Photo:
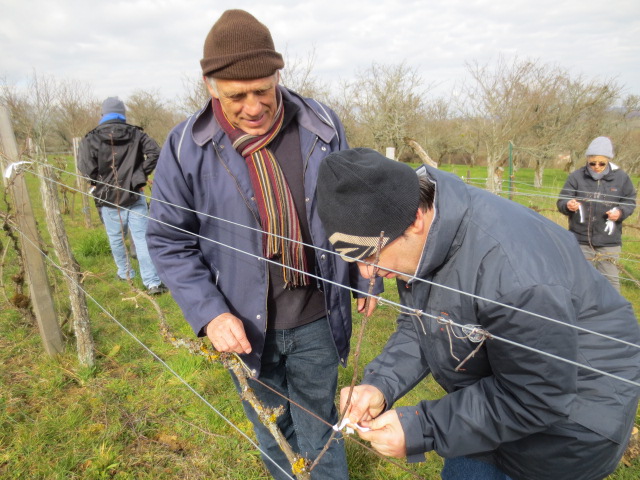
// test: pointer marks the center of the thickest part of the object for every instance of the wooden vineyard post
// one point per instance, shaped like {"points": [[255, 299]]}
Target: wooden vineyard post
{"points": [[39, 287], [81, 185], [69, 266]]}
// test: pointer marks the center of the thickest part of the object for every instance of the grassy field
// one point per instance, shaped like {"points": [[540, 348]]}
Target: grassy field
{"points": [[129, 417]]}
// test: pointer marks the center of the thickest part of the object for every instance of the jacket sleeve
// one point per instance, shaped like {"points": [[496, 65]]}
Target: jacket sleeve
{"points": [[628, 198], [151, 152], [174, 245], [568, 192], [526, 391], [401, 365], [87, 162]]}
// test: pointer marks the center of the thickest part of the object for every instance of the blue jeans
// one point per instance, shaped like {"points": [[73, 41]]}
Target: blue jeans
{"points": [[605, 259], [465, 468], [134, 219], [302, 364]]}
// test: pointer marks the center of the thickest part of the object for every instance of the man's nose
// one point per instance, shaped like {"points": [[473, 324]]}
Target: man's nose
{"points": [[252, 105]]}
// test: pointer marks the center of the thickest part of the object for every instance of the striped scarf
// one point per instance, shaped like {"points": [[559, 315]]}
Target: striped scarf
{"points": [[275, 203]]}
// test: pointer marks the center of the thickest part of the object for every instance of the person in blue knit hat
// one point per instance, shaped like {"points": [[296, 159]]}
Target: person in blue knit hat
{"points": [[597, 198], [117, 158]]}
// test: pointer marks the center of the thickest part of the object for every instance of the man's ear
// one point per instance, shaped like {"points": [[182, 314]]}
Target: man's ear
{"points": [[422, 221], [212, 91]]}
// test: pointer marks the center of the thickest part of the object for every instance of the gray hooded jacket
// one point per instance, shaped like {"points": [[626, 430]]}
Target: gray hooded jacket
{"points": [[613, 190], [534, 416]]}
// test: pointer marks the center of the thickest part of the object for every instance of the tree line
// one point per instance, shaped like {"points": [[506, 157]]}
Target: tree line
{"points": [[547, 114]]}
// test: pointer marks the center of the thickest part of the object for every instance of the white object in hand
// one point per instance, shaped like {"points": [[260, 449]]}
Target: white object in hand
{"points": [[610, 227], [581, 213], [349, 430]]}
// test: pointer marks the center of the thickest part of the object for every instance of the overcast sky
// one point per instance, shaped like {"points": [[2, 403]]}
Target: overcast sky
{"points": [[120, 46]]}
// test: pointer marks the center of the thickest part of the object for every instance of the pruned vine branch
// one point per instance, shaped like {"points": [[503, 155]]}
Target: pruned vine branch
{"points": [[356, 354], [267, 416]]}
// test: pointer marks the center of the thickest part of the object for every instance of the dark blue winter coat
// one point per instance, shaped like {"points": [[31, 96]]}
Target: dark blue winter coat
{"points": [[202, 187], [533, 415]]}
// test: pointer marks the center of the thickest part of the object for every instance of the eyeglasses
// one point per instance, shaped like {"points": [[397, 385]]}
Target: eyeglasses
{"points": [[600, 164]]}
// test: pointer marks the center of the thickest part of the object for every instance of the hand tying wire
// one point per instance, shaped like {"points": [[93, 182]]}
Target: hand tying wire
{"points": [[385, 431]]}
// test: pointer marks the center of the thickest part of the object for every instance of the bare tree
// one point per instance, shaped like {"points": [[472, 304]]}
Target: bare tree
{"points": [[144, 108], [42, 96], [298, 76], [50, 112], [386, 102], [78, 110], [149, 111], [625, 133], [32, 110], [468, 138], [498, 102], [568, 112], [342, 103], [195, 95], [19, 110], [439, 129], [591, 102]]}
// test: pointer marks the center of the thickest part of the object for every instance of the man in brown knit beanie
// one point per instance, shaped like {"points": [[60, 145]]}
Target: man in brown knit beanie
{"points": [[248, 261]]}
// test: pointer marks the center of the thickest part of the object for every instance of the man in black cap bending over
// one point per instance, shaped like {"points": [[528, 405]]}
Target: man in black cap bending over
{"points": [[494, 296], [239, 257]]}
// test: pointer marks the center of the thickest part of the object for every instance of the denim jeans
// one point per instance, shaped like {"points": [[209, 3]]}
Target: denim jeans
{"points": [[134, 219], [605, 259], [465, 468], [302, 364]]}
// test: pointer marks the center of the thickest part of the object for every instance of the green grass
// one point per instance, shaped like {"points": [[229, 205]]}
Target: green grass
{"points": [[92, 244], [129, 417]]}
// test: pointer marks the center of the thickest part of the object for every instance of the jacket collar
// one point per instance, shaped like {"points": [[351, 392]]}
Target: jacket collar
{"points": [[316, 120], [450, 219], [607, 176]]}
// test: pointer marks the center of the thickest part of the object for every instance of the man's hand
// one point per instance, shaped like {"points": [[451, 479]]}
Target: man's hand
{"points": [[226, 333], [373, 303], [366, 403], [386, 435], [613, 214], [573, 205]]}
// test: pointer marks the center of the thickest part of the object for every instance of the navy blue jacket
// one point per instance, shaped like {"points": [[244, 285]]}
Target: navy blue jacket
{"points": [[534, 416], [202, 187]]}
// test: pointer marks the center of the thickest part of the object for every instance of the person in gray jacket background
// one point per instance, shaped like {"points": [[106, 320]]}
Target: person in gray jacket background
{"points": [[501, 308], [597, 198], [117, 159], [233, 237]]}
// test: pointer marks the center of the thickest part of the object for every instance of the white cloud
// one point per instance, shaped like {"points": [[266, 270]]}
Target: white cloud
{"points": [[121, 46]]}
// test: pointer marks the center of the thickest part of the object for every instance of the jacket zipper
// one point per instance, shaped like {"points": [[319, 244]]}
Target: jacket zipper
{"points": [[313, 241], [246, 201]]}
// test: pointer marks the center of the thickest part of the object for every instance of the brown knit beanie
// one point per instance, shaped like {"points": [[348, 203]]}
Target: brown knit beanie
{"points": [[239, 47]]}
